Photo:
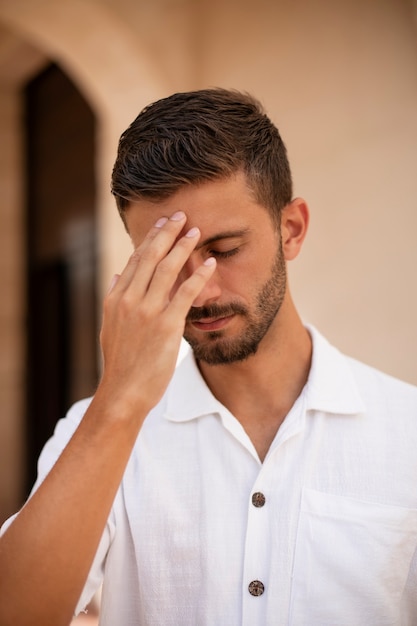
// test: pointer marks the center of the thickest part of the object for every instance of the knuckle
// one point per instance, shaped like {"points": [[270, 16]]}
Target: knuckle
{"points": [[141, 255], [125, 303], [144, 315], [164, 266], [136, 256], [129, 309], [108, 303], [154, 253]]}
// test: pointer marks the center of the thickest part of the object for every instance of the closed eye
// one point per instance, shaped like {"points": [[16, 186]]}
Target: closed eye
{"points": [[223, 254]]}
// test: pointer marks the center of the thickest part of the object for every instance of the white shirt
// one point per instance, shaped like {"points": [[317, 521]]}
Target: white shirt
{"points": [[334, 543]]}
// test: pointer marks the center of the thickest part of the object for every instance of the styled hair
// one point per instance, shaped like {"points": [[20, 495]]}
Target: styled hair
{"points": [[198, 136]]}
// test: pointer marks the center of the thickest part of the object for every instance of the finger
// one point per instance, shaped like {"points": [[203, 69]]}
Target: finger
{"points": [[156, 245], [188, 291], [167, 272], [113, 283]]}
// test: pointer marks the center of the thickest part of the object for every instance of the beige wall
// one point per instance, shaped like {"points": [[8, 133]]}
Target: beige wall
{"points": [[340, 80]]}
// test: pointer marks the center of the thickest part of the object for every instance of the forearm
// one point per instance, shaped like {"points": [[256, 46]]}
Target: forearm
{"points": [[46, 554]]}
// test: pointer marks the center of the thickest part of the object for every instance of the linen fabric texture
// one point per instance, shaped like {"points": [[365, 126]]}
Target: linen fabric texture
{"points": [[335, 542]]}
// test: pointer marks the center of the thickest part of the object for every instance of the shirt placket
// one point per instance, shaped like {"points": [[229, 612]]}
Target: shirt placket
{"points": [[255, 570], [263, 505]]}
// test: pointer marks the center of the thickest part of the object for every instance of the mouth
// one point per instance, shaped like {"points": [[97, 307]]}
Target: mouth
{"points": [[212, 323]]}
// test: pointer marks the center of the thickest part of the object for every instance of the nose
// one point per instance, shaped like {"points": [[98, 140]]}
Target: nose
{"points": [[211, 290]]}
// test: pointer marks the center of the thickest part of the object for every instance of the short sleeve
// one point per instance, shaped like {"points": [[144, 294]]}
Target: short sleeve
{"points": [[52, 450]]}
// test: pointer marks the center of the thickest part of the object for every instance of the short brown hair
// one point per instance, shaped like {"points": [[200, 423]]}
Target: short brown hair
{"points": [[198, 136]]}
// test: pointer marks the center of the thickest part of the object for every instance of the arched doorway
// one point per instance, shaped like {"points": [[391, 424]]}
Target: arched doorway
{"points": [[60, 130]]}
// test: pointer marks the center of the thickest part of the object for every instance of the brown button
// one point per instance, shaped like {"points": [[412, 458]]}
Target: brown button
{"points": [[258, 499], [256, 588]]}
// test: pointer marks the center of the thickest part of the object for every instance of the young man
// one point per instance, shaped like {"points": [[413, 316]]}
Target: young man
{"points": [[267, 479]]}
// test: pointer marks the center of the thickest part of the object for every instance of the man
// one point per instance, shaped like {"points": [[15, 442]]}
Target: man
{"points": [[267, 479]]}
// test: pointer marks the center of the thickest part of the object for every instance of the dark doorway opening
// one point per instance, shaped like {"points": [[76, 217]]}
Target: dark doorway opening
{"points": [[61, 269]]}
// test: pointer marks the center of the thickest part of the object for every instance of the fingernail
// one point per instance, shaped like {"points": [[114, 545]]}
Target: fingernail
{"points": [[193, 232], [178, 216], [210, 261], [113, 282], [161, 222]]}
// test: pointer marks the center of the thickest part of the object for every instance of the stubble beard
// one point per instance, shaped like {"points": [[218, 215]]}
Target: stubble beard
{"points": [[216, 349]]}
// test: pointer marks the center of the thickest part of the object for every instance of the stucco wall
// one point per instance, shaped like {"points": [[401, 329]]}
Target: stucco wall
{"points": [[339, 79]]}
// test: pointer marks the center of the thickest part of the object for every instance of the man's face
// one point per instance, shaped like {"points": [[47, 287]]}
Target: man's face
{"points": [[236, 309]]}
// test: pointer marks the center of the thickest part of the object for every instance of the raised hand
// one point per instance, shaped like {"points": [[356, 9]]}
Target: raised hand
{"points": [[144, 316]]}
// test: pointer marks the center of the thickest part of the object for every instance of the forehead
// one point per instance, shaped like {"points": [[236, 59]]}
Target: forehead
{"points": [[214, 205]]}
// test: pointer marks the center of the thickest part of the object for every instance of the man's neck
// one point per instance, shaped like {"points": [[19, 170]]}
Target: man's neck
{"points": [[261, 390]]}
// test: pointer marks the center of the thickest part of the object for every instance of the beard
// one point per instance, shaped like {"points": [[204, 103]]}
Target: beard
{"points": [[215, 348]]}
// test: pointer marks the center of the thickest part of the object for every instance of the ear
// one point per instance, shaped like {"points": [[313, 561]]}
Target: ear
{"points": [[294, 223]]}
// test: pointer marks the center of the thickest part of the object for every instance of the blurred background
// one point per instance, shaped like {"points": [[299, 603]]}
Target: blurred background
{"points": [[338, 77]]}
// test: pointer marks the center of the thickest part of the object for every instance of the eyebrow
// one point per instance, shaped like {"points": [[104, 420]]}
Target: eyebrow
{"points": [[228, 234]]}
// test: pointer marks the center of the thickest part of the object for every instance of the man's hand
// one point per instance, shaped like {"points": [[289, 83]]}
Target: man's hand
{"points": [[144, 318]]}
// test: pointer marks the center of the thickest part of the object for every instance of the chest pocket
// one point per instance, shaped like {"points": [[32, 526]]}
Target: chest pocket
{"points": [[352, 560]]}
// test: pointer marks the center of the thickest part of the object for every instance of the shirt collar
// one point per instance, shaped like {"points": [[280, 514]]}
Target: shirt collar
{"points": [[188, 395], [330, 387]]}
